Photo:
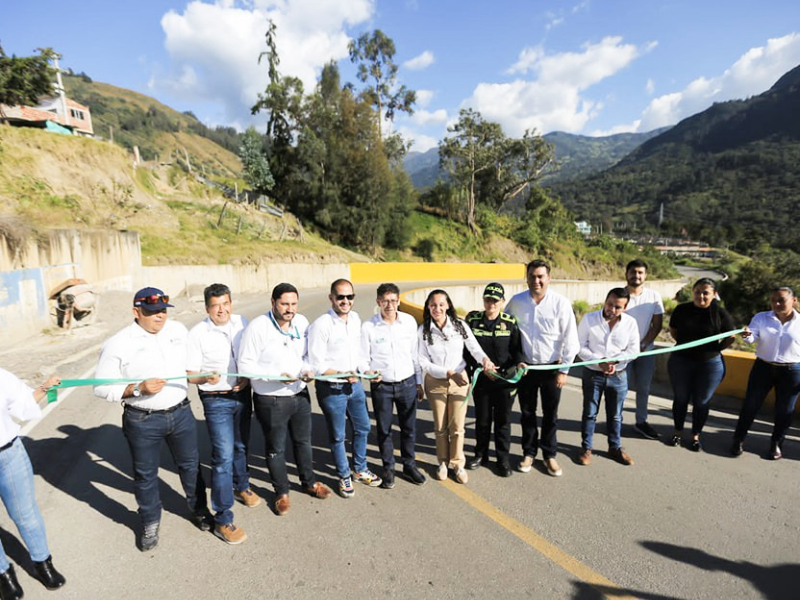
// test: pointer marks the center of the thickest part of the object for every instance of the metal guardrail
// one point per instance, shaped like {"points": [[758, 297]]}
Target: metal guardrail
{"points": [[261, 201]]}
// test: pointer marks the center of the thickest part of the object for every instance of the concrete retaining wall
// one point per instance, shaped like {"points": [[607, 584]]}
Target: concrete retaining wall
{"points": [[192, 279], [31, 269]]}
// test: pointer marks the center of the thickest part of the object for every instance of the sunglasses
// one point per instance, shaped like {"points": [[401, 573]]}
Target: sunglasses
{"points": [[341, 297], [153, 299]]}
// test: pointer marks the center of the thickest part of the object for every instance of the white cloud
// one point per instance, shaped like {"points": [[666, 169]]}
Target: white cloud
{"points": [[650, 87], [422, 61], [424, 97], [421, 142], [627, 128], [753, 73], [214, 47], [553, 98], [424, 117]]}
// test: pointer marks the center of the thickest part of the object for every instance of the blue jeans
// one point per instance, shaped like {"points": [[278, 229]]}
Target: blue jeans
{"points": [[339, 401], [277, 416], [614, 387], [693, 380], [763, 377], [145, 433], [16, 489], [385, 396], [228, 421], [640, 376]]}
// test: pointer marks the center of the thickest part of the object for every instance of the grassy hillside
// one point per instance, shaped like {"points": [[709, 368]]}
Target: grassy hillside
{"points": [[158, 130], [54, 181]]}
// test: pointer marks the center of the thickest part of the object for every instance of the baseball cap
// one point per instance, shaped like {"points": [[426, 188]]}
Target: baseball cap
{"points": [[151, 298], [494, 291]]}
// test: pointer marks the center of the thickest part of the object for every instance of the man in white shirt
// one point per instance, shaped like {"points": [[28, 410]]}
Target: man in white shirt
{"points": [[151, 353], [18, 402], [608, 333], [549, 336], [213, 347], [389, 344], [777, 333], [334, 348], [647, 308], [274, 346]]}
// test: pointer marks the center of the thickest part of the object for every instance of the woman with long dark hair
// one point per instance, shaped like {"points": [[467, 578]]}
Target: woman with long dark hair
{"points": [[696, 372], [442, 338]]}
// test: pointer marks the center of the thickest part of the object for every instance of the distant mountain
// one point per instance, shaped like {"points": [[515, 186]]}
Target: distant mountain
{"points": [[577, 156], [730, 174]]}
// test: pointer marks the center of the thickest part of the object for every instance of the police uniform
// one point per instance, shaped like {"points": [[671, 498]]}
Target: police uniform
{"points": [[500, 340]]}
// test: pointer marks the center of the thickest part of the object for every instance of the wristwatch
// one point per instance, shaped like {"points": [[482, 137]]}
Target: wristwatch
{"points": [[136, 391]]}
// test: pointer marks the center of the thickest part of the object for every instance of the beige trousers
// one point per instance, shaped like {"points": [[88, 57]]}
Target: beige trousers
{"points": [[449, 415]]}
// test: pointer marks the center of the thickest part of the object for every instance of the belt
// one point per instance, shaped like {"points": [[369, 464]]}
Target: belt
{"points": [[207, 393], [182, 403], [777, 364], [384, 382], [8, 445]]}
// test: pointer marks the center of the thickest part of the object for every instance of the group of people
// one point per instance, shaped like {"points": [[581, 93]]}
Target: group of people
{"points": [[522, 349]]}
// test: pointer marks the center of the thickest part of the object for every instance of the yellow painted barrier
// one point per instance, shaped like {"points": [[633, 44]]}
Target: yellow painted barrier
{"points": [[435, 272]]}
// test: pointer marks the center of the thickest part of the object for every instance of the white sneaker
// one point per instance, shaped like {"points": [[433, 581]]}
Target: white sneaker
{"points": [[553, 467], [441, 472]]}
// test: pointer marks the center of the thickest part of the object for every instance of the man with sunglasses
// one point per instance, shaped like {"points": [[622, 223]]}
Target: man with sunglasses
{"points": [[151, 354], [213, 349], [274, 346], [334, 348], [389, 344]]}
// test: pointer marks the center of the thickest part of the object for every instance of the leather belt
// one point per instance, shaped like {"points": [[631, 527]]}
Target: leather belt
{"points": [[182, 403], [9, 444]]}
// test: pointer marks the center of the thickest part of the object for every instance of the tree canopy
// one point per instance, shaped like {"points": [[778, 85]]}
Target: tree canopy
{"points": [[26, 79]]}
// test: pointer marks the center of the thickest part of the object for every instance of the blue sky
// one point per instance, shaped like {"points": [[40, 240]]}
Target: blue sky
{"points": [[590, 67]]}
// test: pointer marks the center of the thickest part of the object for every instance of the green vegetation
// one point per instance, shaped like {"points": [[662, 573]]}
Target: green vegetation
{"points": [[729, 175], [25, 79]]}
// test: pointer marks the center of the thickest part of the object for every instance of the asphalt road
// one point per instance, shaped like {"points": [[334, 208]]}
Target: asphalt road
{"points": [[674, 525]]}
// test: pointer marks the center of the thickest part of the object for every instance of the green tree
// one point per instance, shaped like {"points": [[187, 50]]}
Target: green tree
{"points": [[25, 79], [256, 167], [374, 54]]}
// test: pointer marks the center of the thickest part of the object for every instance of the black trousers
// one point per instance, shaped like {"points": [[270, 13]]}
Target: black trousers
{"points": [[385, 397], [493, 404], [533, 384]]}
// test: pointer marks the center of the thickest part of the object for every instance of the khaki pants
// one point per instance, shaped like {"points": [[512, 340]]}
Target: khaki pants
{"points": [[449, 414]]}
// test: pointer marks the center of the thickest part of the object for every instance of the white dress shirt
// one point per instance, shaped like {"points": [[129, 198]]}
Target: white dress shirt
{"points": [[446, 353], [267, 350], [16, 402], [642, 308], [549, 332], [391, 348], [135, 354], [336, 344], [215, 348], [777, 342], [597, 340]]}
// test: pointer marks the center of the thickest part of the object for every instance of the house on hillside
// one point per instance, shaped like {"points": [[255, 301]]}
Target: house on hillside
{"points": [[58, 113], [55, 113]]}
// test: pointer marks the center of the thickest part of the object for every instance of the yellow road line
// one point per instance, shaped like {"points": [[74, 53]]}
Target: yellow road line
{"points": [[566, 561]]}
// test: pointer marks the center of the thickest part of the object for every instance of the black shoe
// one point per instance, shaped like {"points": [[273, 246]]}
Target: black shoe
{"points": [[47, 574], [737, 448], [504, 469], [414, 474], [479, 460], [387, 482], [9, 586], [646, 430], [696, 445], [202, 520], [148, 540]]}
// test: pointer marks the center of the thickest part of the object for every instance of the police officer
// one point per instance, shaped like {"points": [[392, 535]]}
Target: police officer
{"points": [[499, 337]]}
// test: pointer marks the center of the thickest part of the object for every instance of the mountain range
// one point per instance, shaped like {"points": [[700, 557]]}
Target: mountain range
{"points": [[729, 174], [576, 156]]}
